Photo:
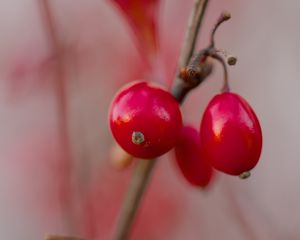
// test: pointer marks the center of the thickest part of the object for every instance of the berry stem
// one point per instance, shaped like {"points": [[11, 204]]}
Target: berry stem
{"points": [[225, 87], [143, 169], [199, 68], [196, 70]]}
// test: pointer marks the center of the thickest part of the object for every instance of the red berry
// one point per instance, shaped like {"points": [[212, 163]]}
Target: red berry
{"points": [[145, 120], [231, 134], [190, 158]]}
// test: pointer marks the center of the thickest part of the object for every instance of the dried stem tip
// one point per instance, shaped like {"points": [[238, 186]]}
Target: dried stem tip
{"points": [[231, 60], [226, 15], [137, 138], [245, 175]]}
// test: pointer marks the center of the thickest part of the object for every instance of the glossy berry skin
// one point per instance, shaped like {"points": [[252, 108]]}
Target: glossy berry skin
{"points": [[149, 111], [231, 134], [190, 158]]}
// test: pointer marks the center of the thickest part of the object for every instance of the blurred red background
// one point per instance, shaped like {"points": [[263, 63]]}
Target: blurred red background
{"points": [[55, 173]]}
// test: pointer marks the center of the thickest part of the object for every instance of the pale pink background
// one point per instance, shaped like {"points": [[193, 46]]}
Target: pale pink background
{"points": [[101, 57]]}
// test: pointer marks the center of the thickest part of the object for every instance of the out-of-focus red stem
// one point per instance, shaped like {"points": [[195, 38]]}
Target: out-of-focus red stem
{"points": [[62, 102]]}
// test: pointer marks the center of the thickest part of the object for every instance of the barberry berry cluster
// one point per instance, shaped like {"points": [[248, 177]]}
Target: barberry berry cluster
{"points": [[146, 121]]}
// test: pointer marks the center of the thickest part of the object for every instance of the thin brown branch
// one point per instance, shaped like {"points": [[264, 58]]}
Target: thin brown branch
{"points": [[58, 237], [181, 88], [142, 172], [191, 35], [133, 198]]}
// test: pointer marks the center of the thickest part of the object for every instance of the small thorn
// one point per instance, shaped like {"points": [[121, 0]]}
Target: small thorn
{"points": [[137, 138], [245, 175]]}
